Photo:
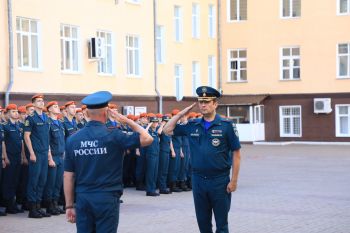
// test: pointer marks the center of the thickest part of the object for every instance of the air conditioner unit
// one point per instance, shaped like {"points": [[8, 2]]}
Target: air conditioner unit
{"points": [[322, 105], [96, 48], [128, 110]]}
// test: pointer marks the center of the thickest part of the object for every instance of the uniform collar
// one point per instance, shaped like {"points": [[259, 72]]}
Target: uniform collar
{"points": [[216, 121], [94, 123]]}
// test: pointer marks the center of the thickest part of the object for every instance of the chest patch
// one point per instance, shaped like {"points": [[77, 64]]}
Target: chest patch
{"points": [[215, 142]]}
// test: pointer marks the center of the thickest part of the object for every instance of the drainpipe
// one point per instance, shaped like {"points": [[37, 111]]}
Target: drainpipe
{"points": [[9, 20], [160, 97], [219, 47]]}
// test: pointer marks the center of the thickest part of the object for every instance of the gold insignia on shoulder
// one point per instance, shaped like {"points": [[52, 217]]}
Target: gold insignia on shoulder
{"points": [[26, 123]]}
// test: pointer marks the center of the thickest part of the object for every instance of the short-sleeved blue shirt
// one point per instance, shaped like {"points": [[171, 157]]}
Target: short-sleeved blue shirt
{"points": [[70, 127], [210, 148], [39, 127], [13, 137], [57, 140], [164, 143], [153, 149], [95, 155]]}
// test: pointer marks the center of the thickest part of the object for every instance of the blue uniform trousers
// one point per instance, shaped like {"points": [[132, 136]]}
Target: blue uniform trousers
{"points": [[37, 177], [54, 179], [10, 177], [97, 212], [184, 164], [163, 169], [140, 167], [174, 165], [152, 161], [21, 194], [210, 196]]}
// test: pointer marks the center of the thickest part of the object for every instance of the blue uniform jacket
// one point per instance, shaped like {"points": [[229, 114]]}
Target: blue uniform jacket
{"points": [[13, 137], [153, 149], [164, 143], [39, 128], [70, 127], [210, 148], [57, 142], [95, 155]]}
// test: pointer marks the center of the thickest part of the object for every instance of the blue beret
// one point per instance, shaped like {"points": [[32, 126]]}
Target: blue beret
{"points": [[207, 93], [97, 100]]}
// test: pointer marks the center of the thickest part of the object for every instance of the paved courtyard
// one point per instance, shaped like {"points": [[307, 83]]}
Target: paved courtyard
{"points": [[282, 189]]}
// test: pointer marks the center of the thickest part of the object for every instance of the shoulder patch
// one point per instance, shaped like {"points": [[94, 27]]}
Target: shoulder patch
{"points": [[235, 129], [26, 123], [5, 123]]}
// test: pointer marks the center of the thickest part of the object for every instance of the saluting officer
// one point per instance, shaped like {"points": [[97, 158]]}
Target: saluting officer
{"points": [[36, 137], [14, 153], [55, 172], [211, 140], [93, 167], [69, 122]]}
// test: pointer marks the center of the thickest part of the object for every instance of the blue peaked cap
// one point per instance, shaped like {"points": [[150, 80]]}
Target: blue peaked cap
{"points": [[97, 100]]}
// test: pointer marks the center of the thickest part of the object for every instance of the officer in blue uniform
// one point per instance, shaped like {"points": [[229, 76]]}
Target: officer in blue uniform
{"points": [[152, 157], [14, 152], [2, 163], [93, 167], [55, 172], [69, 122], [211, 139], [36, 137], [165, 148]]}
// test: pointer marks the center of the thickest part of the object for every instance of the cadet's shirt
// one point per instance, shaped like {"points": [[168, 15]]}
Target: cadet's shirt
{"points": [[177, 141], [164, 143], [210, 148], [13, 137], [70, 127], [95, 155], [57, 142], [39, 127], [153, 149]]}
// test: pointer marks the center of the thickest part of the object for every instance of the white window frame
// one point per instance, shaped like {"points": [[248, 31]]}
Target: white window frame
{"points": [[133, 73], [290, 16], [71, 70], [196, 74], [338, 62], [211, 21], [337, 121], [212, 71], [281, 125], [107, 45], [178, 24], [291, 61], [347, 11], [20, 33], [196, 33], [228, 3], [238, 60], [160, 43], [178, 78]]}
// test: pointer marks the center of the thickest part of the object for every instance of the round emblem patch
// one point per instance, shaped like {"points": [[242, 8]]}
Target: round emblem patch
{"points": [[215, 142]]}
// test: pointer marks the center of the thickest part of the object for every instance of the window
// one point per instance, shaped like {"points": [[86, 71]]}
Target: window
{"points": [[178, 23], [212, 71], [343, 7], [237, 65], [106, 64], [211, 21], [195, 21], [133, 57], [343, 51], [70, 59], [290, 121], [160, 44], [237, 10], [290, 61], [259, 114], [239, 114], [342, 120], [195, 77], [28, 43], [178, 82], [291, 8]]}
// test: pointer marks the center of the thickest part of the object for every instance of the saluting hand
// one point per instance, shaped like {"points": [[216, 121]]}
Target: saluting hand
{"points": [[70, 215], [187, 110], [231, 187], [118, 117]]}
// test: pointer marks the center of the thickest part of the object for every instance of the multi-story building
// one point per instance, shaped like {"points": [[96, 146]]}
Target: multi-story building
{"points": [[286, 64]]}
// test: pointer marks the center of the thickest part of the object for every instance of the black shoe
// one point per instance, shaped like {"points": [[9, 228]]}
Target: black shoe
{"points": [[151, 194], [166, 191], [52, 210], [184, 187], [121, 201], [2, 214], [33, 213], [174, 188], [57, 208], [42, 212]]}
